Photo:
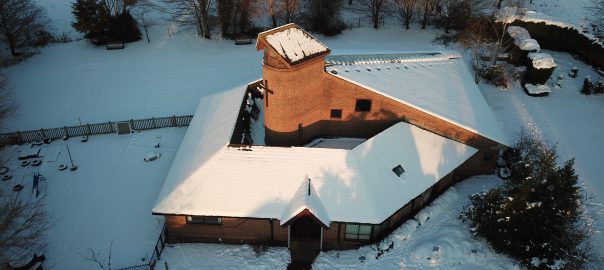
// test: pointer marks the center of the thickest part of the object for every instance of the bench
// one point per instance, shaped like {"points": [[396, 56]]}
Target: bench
{"points": [[116, 46], [243, 40]]}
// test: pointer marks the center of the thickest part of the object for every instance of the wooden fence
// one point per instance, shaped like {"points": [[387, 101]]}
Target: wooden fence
{"points": [[19, 137], [156, 254]]}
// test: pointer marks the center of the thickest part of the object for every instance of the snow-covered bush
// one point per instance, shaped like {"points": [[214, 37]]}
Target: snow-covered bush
{"points": [[540, 68], [566, 39], [535, 216], [498, 75]]}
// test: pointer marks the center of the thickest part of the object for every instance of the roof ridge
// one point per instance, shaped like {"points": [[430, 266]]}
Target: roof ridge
{"points": [[381, 58]]}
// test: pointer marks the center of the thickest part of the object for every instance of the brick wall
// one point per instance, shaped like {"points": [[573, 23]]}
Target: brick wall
{"points": [[299, 102], [232, 230]]}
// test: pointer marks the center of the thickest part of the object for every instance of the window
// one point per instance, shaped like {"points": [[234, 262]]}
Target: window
{"points": [[357, 232], [487, 156], [398, 170], [363, 105], [336, 113], [203, 220]]}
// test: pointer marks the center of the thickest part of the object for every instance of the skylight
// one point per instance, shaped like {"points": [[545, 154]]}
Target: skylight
{"points": [[398, 170]]}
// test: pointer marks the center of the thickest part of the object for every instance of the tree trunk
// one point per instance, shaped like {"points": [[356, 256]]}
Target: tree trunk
{"points": [[407, 22], [205, 24], [146, 33], [376, 21], [424, 21], [271, 12], [12, 45]]}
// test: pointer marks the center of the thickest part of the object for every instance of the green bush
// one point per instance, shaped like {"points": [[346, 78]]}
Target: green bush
{"points": [[100, 26], [535, 216]]}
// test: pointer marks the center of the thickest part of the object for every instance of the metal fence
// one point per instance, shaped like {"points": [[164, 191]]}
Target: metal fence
{"points": [[156, 256], [19, 137]]}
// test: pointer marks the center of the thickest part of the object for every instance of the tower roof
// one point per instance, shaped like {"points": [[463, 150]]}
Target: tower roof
{"points": [[292, 43]]}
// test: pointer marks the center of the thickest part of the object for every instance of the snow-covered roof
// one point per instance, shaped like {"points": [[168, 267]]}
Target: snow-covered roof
{"points": [[305, 198], [293, 43], [542, 60], [440, 85], [210, 178]]}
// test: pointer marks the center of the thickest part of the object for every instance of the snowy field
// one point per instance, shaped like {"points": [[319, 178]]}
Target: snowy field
{"points": [[109, 198]]}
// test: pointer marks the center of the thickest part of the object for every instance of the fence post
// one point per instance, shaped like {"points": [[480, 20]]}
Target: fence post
{"points": [[20, 137], [88, 128], [173, 120], [153, 120], [132, 125], [112, 127], [42, 133]]}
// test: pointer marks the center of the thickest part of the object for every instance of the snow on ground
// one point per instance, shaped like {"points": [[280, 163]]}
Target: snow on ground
{"points": [[220, 256], [575, 12], [107, 199], [59, 13]]}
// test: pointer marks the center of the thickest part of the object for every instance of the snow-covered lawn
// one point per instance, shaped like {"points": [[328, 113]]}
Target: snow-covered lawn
{"points": [[107, 199], [226, 257]]}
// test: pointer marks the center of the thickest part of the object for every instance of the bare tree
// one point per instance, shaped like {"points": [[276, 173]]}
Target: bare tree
{"points": [[503, 18], [454, 14], [272, 12], [374, 9], [426, 9], [20, 22], [95, 257], [141, 11], [290, 9], [113, 6], [511, 3], [187, 12], [597, 9], [406, 10], [226, 13], [476, 37], [7, 103], [23, 222]]}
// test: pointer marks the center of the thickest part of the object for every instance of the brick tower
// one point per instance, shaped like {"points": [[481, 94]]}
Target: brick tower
{"points": [[293, 74]]}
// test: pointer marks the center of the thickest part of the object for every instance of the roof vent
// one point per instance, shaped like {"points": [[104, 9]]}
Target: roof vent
{"points": [[398, 170]]}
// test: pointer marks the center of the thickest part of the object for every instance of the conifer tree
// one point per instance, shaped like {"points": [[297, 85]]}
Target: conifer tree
{"points": [[535, 217]]}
